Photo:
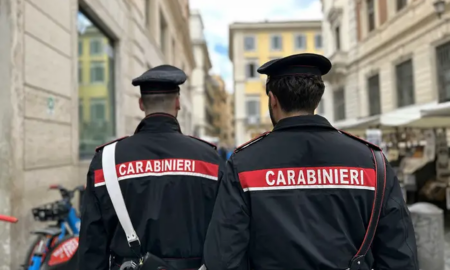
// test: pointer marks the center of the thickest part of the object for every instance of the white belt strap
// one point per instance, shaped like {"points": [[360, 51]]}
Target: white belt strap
{"points": [[115, 193]]}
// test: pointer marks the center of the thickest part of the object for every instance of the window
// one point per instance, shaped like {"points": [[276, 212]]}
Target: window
{"points": [[252, 106], [174, 52], [163, 33], [300, 42], [276, 43], [80, 47], [80, 110], [80, 72], [405, 83], [249, 43], [96, 47], [374, 95], [147, 12], [443, 71], [98, 110], [339, 104], [96, 99], [97, 71], [337, 37], [250, 69], [371, 14], [401, 4], [318, 41]]}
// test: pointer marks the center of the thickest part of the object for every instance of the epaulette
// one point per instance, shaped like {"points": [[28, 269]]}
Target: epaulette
{"points": [[103, 145], [361, 140], [252, 141], [198, 139]]}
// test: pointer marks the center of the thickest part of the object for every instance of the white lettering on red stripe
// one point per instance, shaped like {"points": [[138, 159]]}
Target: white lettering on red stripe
{"points": [[143, 168], [308, 178]]}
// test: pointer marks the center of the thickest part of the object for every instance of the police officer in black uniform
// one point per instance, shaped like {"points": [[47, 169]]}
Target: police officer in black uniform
{"points": [[301, 196], [168, 180]]}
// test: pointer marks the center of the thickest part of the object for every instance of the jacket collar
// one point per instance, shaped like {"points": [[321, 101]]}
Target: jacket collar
{"points": [[303, 121], [158, 123]]}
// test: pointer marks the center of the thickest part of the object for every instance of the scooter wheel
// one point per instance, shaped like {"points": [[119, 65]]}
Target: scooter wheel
{"points": [[31, 251]]}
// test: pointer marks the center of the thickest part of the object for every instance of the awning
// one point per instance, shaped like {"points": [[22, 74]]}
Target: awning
{"points": [[442, 109], [435, 116], [406, 117], [424, 116], [358, 126]]}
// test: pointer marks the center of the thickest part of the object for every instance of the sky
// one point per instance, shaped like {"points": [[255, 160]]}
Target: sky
{"points": [[218, 15]]}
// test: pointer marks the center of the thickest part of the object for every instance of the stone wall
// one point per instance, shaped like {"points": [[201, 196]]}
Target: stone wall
{"points": [[39, 63]]}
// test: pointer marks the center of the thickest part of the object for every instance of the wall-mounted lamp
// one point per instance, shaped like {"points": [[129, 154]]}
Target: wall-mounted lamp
{"points": [[439, 7]]}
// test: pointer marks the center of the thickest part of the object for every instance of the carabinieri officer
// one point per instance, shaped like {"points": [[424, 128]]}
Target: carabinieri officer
{"points": [[302, 195], [168, 180]]}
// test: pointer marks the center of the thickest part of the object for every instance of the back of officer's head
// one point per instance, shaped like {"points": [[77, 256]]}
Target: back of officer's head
{"points": [[160, 103], [160, 89], [295, 93]]}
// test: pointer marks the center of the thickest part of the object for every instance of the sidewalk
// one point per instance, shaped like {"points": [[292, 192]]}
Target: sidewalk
{"points": [[447, 242]]}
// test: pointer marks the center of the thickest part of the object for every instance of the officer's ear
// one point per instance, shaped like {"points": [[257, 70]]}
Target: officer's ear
{"points": [[177, 102], [141, 104], [273, 100]]}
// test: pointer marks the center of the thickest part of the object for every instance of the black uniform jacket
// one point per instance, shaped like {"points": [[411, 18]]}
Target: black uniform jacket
{"points": [[169, 182], [300, 197]]}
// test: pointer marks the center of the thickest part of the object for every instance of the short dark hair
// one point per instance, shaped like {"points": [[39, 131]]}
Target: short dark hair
{"points": [[158, 101], [297, 93]]}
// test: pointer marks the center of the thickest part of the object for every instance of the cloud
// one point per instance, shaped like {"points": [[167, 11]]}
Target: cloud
{"points": [[218, 15]]}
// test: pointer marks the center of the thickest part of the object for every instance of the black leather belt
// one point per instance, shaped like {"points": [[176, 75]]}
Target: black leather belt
{"points": [[181, 264]]}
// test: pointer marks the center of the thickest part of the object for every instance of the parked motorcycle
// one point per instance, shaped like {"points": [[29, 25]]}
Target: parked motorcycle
{"points": [[56, 246]]}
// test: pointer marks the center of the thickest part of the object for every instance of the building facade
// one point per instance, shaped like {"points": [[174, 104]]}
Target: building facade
{"points": [[253, 44], [65, 73], [231, 121], [390, 60], [200, 82], [223, 117]]}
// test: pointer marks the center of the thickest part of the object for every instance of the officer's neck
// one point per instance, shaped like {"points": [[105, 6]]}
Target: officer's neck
{"points": [[149, 112], [292, 114]]}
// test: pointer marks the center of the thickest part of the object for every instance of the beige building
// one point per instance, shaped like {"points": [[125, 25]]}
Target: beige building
{"points": [[201, 83], [65, 73], [223, 116], [231, 121], [390, 61]]}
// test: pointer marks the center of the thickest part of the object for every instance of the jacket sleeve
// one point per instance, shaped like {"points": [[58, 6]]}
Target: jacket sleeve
{"points": [[228, 233], [93, 248], [394, 246]]}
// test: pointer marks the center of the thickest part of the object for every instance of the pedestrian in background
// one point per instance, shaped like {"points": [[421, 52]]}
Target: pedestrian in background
{"points": [[168, 180], [303, 195], [223, 153]]}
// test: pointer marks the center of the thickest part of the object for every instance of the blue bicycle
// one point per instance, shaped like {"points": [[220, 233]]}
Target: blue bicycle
{"points": [[56, 246]]}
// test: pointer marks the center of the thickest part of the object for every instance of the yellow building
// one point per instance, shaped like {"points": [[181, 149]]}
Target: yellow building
{"points": [[253, 44], [95, 65]]}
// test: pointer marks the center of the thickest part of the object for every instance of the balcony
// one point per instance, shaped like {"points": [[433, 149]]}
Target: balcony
{"points": [[339, 69]]}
